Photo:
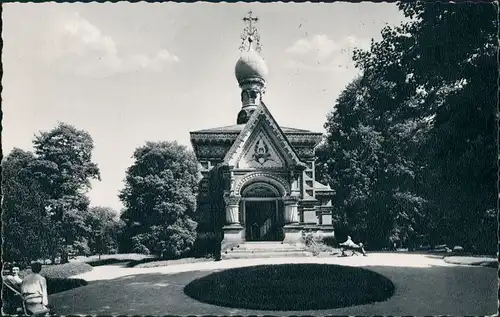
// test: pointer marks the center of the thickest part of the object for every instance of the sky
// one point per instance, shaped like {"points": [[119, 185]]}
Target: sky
{"points": [[130, 73]]}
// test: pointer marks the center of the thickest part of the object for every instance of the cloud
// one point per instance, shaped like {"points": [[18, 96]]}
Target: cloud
{"points": [[320, 53], [80, 47], [319, 45]]}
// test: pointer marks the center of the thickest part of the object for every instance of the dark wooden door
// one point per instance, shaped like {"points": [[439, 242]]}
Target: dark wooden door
{"points": [[261, 220]]}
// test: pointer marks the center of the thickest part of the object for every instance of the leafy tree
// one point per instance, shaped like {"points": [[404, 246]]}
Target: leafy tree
{"points": [[64, 169], [26, 225], [362, 160], [160, 199], [462, 147], [425, 108], [105, 227]]}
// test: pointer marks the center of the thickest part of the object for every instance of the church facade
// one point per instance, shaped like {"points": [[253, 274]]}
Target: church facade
{"points": [[259, 177]]}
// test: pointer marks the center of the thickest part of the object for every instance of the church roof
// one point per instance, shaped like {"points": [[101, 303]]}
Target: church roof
{"points": [[261, 114], [237, 128]]}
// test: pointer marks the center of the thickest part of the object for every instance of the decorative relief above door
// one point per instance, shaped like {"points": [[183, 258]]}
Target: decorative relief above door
{"points": [[261, 153]]}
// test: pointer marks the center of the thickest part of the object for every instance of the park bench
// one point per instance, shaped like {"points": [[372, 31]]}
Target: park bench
{"points": [[351, 246]]}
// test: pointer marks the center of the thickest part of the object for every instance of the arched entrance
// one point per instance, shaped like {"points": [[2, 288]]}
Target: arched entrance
{"points": [[262, 207]]}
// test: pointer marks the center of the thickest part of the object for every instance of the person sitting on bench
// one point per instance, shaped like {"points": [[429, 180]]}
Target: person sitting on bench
{"points": [[34, 290], [353, 247], [12, 281]]}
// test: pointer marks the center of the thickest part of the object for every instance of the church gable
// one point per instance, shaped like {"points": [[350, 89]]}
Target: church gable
{"points": [[261, 153], [261, 140]]}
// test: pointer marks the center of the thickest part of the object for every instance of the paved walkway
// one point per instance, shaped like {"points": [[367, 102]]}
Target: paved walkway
{"points": [[425, 285], [109, 272]]}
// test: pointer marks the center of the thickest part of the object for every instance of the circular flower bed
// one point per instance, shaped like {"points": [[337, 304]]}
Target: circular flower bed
{"points": [[290, 287]]}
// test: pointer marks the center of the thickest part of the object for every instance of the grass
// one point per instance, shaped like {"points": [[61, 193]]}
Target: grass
{"points": [[119, 257], [476, 261], [132, 259], [58, 276], [295, 287], [61, 271], [158, 263]]}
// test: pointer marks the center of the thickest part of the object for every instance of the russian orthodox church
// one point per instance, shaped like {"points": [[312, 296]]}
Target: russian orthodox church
{"points": [[258, 176]]}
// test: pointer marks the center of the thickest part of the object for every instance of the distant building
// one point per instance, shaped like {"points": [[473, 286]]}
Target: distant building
{"points": [[258, 177]]}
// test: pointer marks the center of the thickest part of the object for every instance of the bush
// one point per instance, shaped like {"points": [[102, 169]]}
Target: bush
{"points": [[330, 241], [65, 270], [205, 244], [316, 243], [313, 242], [139, 247]]}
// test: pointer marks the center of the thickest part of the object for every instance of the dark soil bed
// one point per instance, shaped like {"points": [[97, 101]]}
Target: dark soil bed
{"points": [[291, 287]]}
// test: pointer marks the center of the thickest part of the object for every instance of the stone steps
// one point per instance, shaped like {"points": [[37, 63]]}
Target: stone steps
{"points": [[265, 250], [250, 255]]}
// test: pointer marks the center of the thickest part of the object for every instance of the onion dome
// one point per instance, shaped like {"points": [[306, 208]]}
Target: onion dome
{"points": [[250, 65], [250, 70]]}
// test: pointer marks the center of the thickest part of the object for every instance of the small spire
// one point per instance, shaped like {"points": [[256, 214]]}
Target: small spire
{"points": [[250, 38]]}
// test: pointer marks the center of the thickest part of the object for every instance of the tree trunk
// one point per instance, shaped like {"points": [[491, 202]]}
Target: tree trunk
{"points": [[64, 253], [64, 257]]}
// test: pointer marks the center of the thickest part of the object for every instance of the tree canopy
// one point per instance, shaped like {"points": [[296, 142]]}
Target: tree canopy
{"points": [[160, 199], [106, 227], [410, 147], [24, 218], [46, 191]]}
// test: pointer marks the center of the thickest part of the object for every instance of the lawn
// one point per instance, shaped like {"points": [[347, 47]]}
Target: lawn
{"points": [[158, 263], [60, 270], [419, 291], [58, 276], [105, 259], [291, 287], [473, 260]]}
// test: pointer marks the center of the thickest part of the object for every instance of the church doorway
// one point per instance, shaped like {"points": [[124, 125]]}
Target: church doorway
{"points": [[263, 213]]}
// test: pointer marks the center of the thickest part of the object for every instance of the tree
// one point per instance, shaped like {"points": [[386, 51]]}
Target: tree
{"points": [[64, 168], [426, 102], [364, 162], [160, 199], [105, 227], [24, 217], [462, 144]]}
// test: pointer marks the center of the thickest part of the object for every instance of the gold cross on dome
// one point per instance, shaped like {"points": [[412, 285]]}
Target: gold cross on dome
{"points": [[250, 37]]}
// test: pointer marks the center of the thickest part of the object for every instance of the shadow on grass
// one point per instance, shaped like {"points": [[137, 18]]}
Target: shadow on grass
{"points": [[288, 287], [57, 285], [134, 263], [107, 262]]}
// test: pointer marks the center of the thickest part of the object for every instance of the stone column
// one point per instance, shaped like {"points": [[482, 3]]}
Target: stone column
{"points": [[233, 231], [292, 229], [232, 210], [291, 212]]}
